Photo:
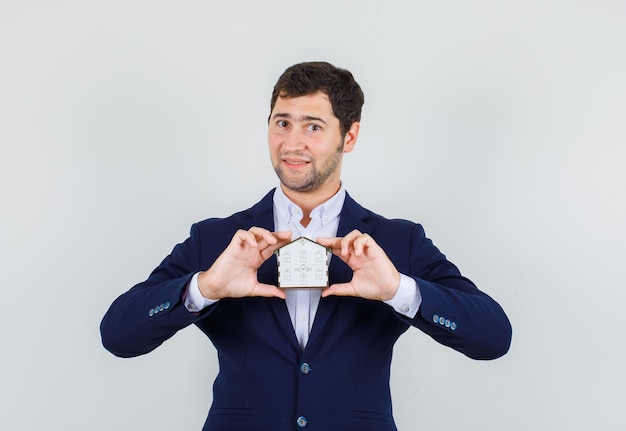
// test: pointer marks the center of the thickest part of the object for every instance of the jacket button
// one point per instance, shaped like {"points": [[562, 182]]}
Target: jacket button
{"points": [[305, 368], [302, 422]]}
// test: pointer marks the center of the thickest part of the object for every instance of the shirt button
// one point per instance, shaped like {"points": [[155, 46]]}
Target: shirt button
{"points": [[302, 422], [301, 318], [305, 368], [405, 308]]}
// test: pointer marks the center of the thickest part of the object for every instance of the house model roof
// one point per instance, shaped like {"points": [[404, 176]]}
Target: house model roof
{"points": [[303, 263]]}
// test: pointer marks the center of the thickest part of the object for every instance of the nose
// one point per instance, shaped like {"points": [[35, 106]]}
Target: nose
{"points": [[294, 141]]}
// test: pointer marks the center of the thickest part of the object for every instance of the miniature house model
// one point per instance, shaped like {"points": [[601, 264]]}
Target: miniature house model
{"points": [[302, 263]]}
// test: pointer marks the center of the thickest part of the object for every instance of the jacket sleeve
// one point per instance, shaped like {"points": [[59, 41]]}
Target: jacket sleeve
{"points": [[454, 311], [141, 319]]}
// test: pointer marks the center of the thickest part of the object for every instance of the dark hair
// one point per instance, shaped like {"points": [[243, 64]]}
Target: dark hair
{"points": [[346, 96]]}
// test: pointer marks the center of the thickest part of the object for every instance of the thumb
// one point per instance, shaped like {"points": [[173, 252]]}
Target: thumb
{"points": [[339, 289], [267, 290]]}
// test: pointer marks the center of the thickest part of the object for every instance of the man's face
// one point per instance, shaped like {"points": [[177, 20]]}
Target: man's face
{"points": [[305, 142]]}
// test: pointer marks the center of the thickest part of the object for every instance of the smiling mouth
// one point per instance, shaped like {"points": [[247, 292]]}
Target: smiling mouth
{"points": [[296, 163]]}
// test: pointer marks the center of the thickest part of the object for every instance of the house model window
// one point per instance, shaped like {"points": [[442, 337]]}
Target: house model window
{"points": [[303, 263]]}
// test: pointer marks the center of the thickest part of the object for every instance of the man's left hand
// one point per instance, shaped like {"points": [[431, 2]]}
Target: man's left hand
{"points": [[374, 277]]}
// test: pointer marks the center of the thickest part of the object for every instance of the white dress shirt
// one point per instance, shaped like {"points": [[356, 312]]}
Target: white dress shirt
{"points": [[302, 303]]}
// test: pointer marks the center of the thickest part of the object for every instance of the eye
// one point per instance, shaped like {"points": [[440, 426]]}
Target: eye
{"points": [[313, 127], [281, 123]]}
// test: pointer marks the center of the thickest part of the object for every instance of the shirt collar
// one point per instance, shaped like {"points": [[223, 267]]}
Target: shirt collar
{"points": [[285, 209]]}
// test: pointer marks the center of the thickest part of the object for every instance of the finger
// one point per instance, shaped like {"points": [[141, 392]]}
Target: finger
{"points": [[262, 234], [339, 289], [266, 238], [243, 237], [334, 245], [283, 235], [268, 251], [347, 242], [281, 239], [361, 243], [268, 291], [331, 243]]}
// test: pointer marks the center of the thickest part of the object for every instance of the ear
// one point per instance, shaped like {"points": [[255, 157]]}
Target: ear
{"points": [[351, 136]]}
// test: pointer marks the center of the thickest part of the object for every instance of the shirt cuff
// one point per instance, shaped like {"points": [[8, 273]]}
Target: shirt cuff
{"points": [[194, 301], [408, 297]]}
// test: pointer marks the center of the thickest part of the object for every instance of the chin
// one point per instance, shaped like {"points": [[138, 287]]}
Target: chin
{"points": [[302, 188]]}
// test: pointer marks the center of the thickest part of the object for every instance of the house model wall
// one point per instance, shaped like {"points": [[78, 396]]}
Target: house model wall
{"points": [[302, 263]]}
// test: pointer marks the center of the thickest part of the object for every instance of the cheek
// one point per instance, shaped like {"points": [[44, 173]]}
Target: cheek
{"points": [[274, 148], [273, 137]]}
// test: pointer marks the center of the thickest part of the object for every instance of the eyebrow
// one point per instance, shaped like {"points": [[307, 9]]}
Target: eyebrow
{"points": [[298, 119]]}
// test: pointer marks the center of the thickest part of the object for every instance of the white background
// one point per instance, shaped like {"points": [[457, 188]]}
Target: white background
{"points": [[499, 126]]}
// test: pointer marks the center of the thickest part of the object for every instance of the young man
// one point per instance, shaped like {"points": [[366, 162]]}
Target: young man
{"points": [[307, 358]]}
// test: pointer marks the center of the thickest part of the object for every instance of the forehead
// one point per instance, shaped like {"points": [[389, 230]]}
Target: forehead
{"points": [[316, 103]]}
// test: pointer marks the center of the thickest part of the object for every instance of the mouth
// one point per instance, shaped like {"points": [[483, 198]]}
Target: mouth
{"points": [[294, 163]]}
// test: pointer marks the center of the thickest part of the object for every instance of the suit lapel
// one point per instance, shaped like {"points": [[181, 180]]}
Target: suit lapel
{"points": [[352, 215], [263, 216]]}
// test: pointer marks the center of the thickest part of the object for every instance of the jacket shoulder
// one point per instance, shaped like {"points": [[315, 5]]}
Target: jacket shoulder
{"points": [[256, 215], [379, 222]]}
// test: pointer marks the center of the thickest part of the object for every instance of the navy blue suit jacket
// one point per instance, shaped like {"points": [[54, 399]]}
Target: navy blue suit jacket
{"points": [[341, 379]]}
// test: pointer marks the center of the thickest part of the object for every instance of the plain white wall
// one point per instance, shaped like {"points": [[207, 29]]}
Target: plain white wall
{"points": [[499, 126]]}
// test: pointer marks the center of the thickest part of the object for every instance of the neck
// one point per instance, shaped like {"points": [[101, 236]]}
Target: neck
{"points": [[308, 201]]}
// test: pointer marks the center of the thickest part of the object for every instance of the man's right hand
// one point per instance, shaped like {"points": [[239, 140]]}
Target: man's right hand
{"points": [[234, 273]]}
